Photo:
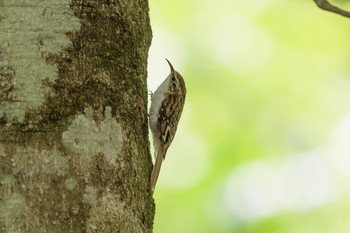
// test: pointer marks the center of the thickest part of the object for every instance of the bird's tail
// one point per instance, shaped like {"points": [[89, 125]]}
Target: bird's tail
{"points": [[156, 167]]}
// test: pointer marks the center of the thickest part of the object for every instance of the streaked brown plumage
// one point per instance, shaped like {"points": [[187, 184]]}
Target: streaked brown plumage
{"points": [[166, 109]]}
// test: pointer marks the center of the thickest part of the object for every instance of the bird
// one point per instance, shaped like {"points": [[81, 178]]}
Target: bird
{"points": [[167, 104]]}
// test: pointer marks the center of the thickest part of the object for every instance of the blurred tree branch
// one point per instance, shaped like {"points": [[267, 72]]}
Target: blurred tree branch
{"points": [[325, 5]]}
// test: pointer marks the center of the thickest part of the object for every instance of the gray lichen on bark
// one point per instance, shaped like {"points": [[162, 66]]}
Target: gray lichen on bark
{"points": [[74, 150], [86, 137], [29, 31]]}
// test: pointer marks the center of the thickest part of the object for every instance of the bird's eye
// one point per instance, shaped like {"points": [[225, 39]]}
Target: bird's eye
{"points": [[173, 78]]}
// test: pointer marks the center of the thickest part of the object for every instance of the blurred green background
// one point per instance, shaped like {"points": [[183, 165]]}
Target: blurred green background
{"points": [[263, 143]]}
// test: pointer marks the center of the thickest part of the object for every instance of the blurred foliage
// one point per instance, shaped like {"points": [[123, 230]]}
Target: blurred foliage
{"points": [[268, 82]]}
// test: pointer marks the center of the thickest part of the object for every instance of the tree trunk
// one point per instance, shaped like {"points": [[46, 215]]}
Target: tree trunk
{"points": [[74, 149]]}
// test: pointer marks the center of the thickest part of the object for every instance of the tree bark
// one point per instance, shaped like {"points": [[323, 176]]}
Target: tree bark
{"points": [[74, 149], [325, 5]]}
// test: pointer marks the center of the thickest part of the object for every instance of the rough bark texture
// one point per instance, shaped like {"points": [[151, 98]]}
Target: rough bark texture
{"points": [[74, 150]]}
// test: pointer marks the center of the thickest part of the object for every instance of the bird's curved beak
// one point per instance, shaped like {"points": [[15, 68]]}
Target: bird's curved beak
{"points": [[171, 66]]}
